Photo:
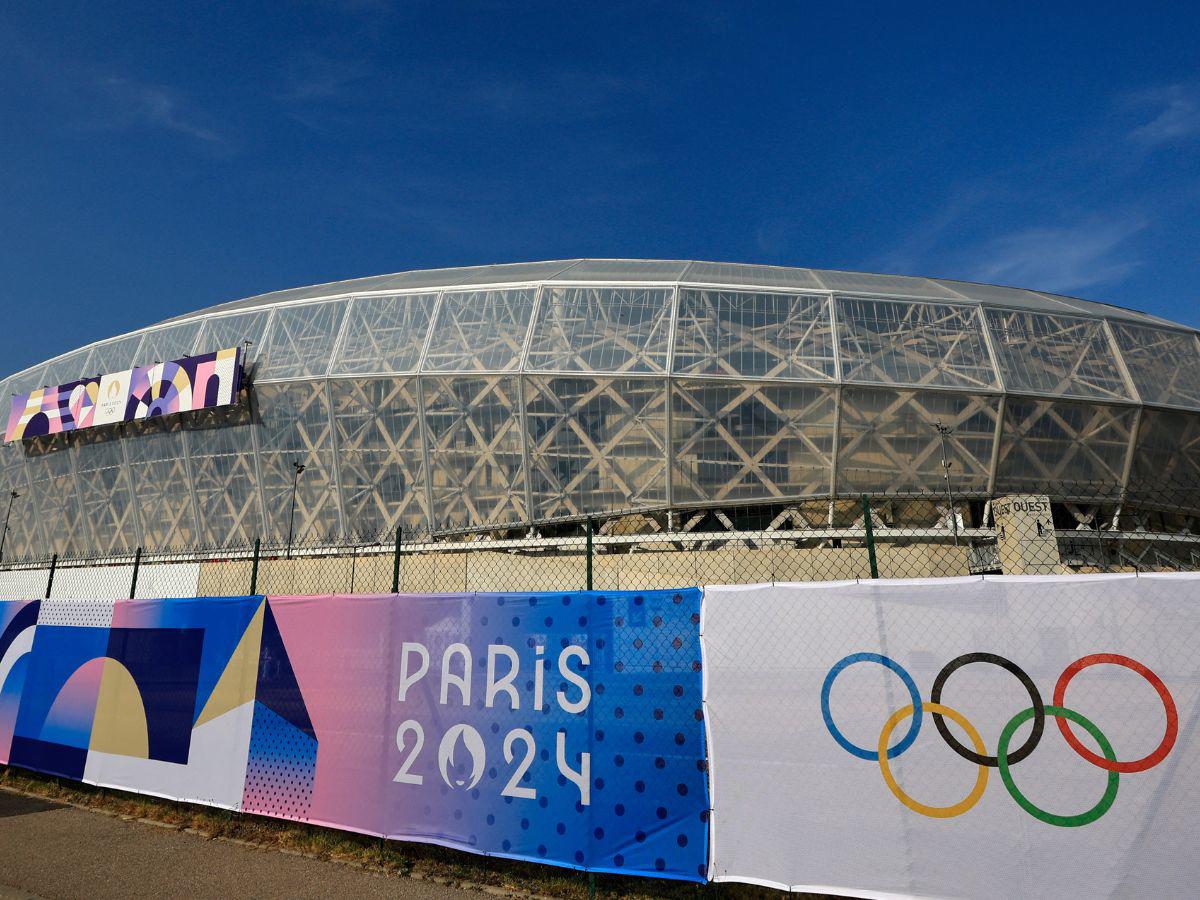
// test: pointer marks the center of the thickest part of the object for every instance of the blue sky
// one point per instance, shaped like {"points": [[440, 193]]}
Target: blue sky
{"points": [[159, 157]]}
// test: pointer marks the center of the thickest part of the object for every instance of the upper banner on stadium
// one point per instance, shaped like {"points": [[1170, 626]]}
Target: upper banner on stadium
{"points": [[195, 382]]}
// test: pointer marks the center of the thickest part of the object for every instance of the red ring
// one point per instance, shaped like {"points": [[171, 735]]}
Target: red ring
{"points": [[1137, 765]]}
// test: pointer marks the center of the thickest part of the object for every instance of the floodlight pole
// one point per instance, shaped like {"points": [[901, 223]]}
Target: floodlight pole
{"points": [[299, 467], [12, 495], [942, 431]]}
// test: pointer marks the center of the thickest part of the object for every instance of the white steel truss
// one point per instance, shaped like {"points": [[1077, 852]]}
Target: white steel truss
{"points": [[596, 329], [1052, 441], [382, 459], [1060, 356], [919, 344], [738, 440], [596, 443], [476, 458], [744, 334]]}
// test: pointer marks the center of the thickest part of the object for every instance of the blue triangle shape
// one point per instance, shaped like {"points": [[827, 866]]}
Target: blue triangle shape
{"points": [[277, 688]]}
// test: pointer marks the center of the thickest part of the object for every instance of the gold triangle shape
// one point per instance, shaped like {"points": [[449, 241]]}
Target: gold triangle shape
{"points": [[237, 683]]}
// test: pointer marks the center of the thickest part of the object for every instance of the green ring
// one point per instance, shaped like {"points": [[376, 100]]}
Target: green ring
{"points": [[1083, 818]]}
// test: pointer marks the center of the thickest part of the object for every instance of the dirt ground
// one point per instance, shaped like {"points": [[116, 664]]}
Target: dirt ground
{"points": [[50, 850]]}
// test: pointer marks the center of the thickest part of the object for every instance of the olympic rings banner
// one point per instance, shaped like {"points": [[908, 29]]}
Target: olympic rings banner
{"points": [[995, 737]]}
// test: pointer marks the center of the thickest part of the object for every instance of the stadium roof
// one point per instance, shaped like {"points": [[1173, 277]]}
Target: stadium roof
{"points": [[671, 271]]}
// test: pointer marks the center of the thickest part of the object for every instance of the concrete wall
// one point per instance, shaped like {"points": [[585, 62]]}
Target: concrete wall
{"points": [[489, 570]]}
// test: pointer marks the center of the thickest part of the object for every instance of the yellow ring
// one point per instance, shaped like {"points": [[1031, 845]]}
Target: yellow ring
{"points": [[934, 812]]}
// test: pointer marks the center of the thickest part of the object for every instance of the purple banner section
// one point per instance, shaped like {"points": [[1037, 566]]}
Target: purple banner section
{"points": [[182, 385], [563, 728]]}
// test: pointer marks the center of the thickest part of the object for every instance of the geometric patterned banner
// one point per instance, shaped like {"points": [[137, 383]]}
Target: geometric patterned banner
{"points": [[562, 728], [195, 382]]}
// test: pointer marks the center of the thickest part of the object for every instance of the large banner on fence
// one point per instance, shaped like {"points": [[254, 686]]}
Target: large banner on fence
{"points": [[999, 737], [564, 728]]}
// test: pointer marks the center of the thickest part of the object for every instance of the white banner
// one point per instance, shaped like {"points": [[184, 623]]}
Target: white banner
{"points": [[23, 584], [1054, 753], [103, 582]]}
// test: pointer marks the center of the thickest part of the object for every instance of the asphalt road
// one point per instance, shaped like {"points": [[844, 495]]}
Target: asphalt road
{"points": [[49, 851]]}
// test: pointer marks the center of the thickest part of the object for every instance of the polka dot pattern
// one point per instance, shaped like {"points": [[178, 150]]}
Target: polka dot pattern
{"points": [[645, 782], [78, 613], [280, 768], [647, 775]]}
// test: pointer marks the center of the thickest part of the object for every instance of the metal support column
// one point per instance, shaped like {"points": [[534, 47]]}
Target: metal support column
{"points": [[870, 532], [137, 565], [50, 580], [254, 566], [590, 549], [396, 560]]}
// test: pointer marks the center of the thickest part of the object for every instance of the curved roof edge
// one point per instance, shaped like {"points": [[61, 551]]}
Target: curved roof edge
{"points": [[698, 272], [729, 275]]}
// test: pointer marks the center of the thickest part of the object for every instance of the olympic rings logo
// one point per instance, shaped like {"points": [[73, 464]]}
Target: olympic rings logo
{"points": [[1005, 757]]}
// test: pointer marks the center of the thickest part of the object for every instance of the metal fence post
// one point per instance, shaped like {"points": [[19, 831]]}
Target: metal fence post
{"points": [[50, 580], [396, 560], [254, 567], [590, 550], [866, 506], [137, 564]]}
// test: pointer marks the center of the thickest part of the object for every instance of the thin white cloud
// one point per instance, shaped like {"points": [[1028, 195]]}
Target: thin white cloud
{"points": [[1060, 258], [88, 98], [927, 237], [1175, 112], [1069, 220], [133, 103], [317, 77]]}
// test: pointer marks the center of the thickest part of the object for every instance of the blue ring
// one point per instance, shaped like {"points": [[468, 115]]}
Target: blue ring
{"points": [[913, 729]]}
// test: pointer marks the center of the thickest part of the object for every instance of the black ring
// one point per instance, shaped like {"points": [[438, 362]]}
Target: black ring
{"points": [[1039, 711]]}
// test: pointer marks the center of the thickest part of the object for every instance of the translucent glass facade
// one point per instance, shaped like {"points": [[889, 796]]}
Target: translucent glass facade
{"points": [[508, 395]]}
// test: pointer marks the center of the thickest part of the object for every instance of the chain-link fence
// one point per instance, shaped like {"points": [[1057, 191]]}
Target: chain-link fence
{"points": [[1050, 528]]}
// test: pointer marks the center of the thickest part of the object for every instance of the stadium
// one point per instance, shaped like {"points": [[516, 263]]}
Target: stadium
{"points": [[503, 399]]}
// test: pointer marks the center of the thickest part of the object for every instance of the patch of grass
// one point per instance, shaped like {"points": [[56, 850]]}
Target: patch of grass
{"points": [[390, 857]]}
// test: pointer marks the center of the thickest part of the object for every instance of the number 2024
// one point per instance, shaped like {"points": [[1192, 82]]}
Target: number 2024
{"points": [[475, 746]]}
